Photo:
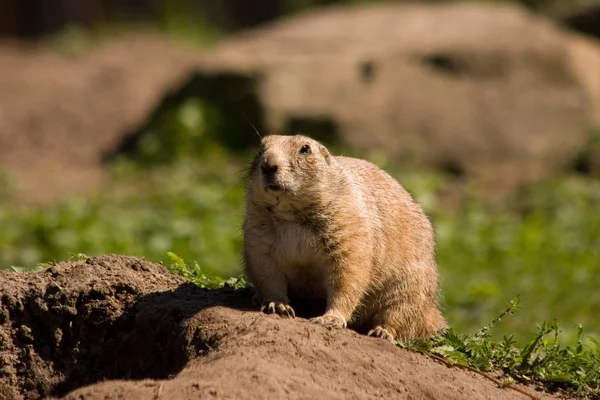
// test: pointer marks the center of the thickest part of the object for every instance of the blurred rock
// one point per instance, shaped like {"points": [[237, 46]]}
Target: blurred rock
{"points": [[486, 91], [60, 113]]}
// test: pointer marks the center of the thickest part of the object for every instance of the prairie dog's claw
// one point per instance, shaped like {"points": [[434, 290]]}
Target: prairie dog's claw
{"points": [[278, 307], [329, 320], [381, 332]]}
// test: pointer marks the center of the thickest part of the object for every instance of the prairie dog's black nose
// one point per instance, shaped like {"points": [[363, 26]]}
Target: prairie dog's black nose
{"points": [[269, 164], [268, 169]]}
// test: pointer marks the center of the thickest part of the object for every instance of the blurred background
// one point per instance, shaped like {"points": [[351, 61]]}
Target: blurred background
{"points": [[126, 127]]}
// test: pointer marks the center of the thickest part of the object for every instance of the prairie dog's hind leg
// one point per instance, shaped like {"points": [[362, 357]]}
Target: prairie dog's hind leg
{"points": [[409, 319], [346, 285]]}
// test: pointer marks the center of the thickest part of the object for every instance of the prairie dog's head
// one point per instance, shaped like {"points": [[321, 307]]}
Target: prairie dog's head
{"points": [[289, 168]]}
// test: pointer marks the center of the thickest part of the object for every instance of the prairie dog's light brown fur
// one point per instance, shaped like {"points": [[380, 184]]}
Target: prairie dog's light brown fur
{"points": [[342, 229]]}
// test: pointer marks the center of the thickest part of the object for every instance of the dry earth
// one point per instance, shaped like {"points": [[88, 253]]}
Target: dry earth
{"points": [[116, 327]]}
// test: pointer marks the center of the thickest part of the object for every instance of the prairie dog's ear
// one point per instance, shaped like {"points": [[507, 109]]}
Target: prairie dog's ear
{"points": [[325, 154]]}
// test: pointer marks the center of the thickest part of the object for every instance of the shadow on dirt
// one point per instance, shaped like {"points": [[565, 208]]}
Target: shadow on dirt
{"points": [[109, 317], [105, 318], [151, 339]]}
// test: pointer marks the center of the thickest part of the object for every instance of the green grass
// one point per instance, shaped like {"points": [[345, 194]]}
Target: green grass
{"points": [[541, 361], [189, 209], [545, 247], [194, 273]]}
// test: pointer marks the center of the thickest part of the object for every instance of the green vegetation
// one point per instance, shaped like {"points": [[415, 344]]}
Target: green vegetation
{"points": [[196, 275], [191, 209], [540, 361], [545, 246]]}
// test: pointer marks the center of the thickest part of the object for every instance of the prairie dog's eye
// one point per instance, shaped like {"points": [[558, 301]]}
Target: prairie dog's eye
{"points": [[305, 149]]}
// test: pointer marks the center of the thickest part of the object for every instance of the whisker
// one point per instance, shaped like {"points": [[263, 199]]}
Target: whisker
{"points": [[252, 125]]}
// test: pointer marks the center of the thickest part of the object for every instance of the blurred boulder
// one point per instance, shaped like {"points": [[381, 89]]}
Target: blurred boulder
{"points": [[486, 91], [60, 113]]}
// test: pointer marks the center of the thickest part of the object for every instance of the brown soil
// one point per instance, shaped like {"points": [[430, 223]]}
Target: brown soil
{"points": [[116, 327]]}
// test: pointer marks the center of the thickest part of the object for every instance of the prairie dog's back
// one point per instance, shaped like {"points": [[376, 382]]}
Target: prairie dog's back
{"points": [[399, 219]]}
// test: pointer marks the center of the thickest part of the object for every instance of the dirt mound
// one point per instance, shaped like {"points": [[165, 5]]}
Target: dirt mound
{"points": [[120, 327], [60, 112]]}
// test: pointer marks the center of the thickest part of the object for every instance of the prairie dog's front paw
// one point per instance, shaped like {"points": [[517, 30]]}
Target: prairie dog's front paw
{"points": [[278, 307], [331, 320], [382, 332]]}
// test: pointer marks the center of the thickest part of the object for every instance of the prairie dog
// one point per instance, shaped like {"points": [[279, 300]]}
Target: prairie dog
{"points": [[341, 229]]}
